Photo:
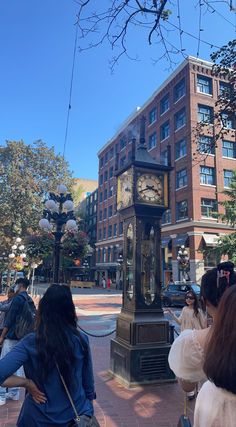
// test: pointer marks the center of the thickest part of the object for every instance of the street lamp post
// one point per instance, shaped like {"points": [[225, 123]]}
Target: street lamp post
{"points": [[18, 254], [183, 261], [58, 217], [86, 268]]}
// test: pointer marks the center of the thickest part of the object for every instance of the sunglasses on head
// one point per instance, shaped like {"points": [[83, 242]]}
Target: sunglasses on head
{"points": [[189, 297]]}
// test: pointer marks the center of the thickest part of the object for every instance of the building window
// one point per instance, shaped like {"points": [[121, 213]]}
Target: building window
{"points": [[104, 255], [204, 84], [225, 90], [164, 157], [153, 115], [165, 130], [105, 213], [228, 149], [105, 194], [122, 143], [122, 161], [181, 178], [182, 210], [111, 189], [227, 177], [100, 234], [104, 232], [114, 256], [207, 175], [152, 141], [111, 152], [110, 231], [164, 104], [227, 121], [205, 114], [115, 230], [110, 210], [208, 208], [180, 119], [99, 255], [206, 145], [166, 217], [101, 161], [181, 149], [105, 176], [100, 179], [111, 172], [100, 196], [95, 196], [120, 228], [106, 157], [179, 90]]}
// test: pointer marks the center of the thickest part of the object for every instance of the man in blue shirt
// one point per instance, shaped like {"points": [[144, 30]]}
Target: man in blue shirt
{"points": [[8, 337]]}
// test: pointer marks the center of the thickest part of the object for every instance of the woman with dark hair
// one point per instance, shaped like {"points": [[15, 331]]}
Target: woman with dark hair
{"points": [[187, 354], [191, 316], [216, 402], [56, 349]]}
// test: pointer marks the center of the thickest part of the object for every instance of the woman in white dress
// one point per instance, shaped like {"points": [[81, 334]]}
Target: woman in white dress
{"points": [[191, 316], [215, 407]]}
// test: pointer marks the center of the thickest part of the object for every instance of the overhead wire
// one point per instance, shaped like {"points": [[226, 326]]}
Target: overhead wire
{"points": [[71, 89]]}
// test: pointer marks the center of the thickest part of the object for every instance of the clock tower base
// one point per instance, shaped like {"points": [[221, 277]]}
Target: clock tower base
{"points": [[139, 353]]}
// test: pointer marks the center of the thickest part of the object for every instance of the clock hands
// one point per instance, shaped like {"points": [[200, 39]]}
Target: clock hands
{"points": [[150, 187]]}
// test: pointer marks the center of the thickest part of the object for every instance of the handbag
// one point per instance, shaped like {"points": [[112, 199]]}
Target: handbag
{"points": [[184, 420], [79, 420]]}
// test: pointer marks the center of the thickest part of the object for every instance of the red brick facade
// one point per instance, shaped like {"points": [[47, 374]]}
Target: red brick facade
{"points": [[196, 182]]}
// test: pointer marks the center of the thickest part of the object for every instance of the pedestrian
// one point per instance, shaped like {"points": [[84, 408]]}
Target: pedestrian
{"points": [[104, 283], [216, 402], [8, 337], [108, 284], [4, 306], [55, 353], [191, 316], [187, 354]]}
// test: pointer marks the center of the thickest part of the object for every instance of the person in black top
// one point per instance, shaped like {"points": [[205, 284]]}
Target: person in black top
{"points": [[8, 337]]}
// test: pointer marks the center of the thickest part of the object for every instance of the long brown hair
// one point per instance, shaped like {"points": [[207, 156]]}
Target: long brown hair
{"points": [[220, 360], [195, 304]]}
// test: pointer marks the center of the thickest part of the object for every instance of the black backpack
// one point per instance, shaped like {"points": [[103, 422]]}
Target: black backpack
{"points": [[25, 321]]}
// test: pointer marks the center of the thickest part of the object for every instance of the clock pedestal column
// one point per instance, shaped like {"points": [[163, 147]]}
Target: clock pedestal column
{"points": [[139, 353]]}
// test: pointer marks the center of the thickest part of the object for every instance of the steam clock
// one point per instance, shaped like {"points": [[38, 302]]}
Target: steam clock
{"points": [[139, 353]]}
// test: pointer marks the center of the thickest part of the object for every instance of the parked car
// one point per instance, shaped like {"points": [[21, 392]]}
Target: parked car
{"points": [[174, 293]]}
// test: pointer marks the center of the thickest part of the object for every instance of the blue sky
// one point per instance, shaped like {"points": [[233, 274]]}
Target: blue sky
{"points": [[36, 50]]}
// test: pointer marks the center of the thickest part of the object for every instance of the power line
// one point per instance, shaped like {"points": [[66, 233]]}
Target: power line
{"points": [[71, 87], [199, 27]]}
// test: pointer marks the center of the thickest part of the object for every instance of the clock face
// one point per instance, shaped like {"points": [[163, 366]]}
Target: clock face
{"points": [[124, 190], [150, 188]]}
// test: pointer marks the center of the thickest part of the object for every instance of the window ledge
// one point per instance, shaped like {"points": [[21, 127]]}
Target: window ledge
{"points": [[181, 127], [179, 158], [231, 158], [208, 185], [181, 188], [179, 99], [149, 149], [210, 95], [183, 219], [162, 114], [210, 218], [162, 140]]}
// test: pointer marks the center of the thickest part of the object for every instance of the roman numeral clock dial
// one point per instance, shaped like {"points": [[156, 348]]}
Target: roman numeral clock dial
{"points": [[150, 188]]}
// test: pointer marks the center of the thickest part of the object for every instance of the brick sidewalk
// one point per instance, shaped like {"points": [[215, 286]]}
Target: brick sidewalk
{"points": [[116, 406]]}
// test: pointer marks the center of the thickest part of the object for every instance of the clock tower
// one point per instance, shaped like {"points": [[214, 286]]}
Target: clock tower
{"points": [[139, 353]]}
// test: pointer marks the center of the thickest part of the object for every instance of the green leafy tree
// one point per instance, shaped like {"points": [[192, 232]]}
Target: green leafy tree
{"points": [[27, 174], [224, 66]]}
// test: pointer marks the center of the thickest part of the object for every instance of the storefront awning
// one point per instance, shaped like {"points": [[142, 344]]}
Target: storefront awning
{"points": [[211, 239], [180, 240], [165, 241]]}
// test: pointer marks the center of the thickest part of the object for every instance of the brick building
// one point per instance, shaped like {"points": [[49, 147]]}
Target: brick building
{"points": [[187, 97]]}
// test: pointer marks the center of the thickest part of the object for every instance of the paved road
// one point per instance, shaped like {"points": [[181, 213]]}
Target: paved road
{"points": [[116, 406]]}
